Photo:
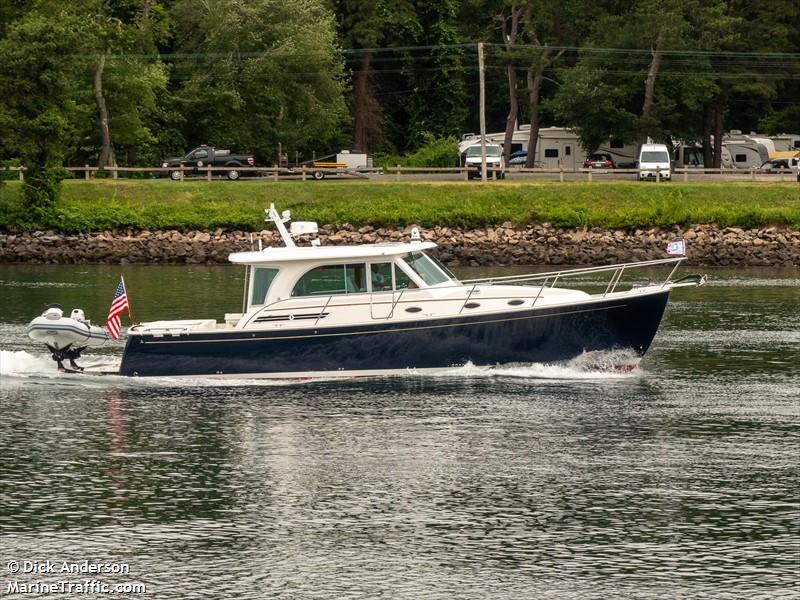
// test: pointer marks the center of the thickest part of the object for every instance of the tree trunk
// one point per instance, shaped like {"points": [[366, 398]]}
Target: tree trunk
{"points": [[650, 84], [535, 75], [146, 11], [708, 124], [719, 111], [513, 111], [510, 27], [106, 150], [366, 112], [534, 84]]}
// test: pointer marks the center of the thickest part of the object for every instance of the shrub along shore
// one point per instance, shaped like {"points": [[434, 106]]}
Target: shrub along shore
{"points": [[500, 223]]}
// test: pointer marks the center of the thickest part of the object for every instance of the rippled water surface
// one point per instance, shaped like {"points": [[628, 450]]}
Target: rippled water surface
{"points": [[677, 481]]}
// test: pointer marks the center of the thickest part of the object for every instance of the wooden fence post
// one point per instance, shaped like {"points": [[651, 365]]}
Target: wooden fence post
{"points": [[87, 174], [303, 172], [21, 174], [685, 175], [561, 173], [208, 173], [275, 174], [658, 174], [397, 176], [589, 175]]}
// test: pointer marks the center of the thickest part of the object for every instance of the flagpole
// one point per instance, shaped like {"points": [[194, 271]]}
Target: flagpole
{"points": [[125, 287]]}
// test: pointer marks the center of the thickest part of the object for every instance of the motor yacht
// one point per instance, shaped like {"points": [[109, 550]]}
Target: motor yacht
{"points": [[378, 309]]}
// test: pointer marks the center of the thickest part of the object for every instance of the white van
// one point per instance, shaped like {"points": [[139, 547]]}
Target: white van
{"points": [[654, 158], [494, 161]]}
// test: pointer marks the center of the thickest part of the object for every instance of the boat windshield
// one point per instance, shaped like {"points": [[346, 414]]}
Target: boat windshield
{"points": [[426, 268]]}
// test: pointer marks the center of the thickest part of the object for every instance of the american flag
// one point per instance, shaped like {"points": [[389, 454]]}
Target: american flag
{"points": [[118, 306], [677, 248]]}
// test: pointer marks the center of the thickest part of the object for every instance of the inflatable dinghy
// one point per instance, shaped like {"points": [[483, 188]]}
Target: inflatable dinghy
{"points": [[66, 337]]}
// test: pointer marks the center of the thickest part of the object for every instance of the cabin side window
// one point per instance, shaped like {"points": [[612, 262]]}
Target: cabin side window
{"points": [[385, 277], [328, 280], [381, 277], [261, 280]]}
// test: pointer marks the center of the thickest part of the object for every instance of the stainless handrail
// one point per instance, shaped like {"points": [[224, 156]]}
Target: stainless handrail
{"points": [[394, 304], [579, 271], [541, 289], [612, 284], [322, 312], [469, 295]]}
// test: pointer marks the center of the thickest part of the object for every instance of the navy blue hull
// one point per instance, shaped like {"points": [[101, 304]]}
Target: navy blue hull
{"points": [[542, 335]]}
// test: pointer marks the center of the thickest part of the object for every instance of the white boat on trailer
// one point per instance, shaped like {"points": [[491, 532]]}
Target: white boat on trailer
{"points": [[377, 309]]}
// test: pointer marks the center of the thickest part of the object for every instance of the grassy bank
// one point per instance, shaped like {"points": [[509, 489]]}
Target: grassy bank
{"points": [[142, 204]]}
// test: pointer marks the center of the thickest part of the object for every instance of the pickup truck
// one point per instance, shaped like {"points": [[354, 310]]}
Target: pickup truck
{"points": [[199, 159]]}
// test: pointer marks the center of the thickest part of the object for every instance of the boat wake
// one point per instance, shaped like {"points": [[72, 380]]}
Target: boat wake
{"points": [[615, 364], [18, 363], [612, 364]]}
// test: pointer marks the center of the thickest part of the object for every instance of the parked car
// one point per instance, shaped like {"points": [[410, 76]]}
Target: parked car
{"points": [[599, 161], [773, 166], [199, 159], [518, 158], [494, 161], [653, 160]]}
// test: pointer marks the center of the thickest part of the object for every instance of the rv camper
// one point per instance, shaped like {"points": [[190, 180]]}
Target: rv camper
{"points": [[556, 147], [739, 151], [743, 153], [786, 142]]}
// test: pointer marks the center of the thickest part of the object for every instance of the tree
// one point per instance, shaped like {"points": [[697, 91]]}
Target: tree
{"points": [[420, 62], [549, 29], [259, 73], [39, 79], [362, 25], [438, 101], [509, 29], [653, 57], [593, 107]]}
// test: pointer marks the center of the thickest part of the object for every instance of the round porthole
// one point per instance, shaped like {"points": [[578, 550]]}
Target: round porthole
{"points": [[471, 305], [516, 302], [413, 309]]}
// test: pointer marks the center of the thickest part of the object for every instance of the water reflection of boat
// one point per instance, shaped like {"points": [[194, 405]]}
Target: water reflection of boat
{"points": [[322, 311]]}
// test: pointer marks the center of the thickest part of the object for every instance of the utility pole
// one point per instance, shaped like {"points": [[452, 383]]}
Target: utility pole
{"points": [[483, 111]]}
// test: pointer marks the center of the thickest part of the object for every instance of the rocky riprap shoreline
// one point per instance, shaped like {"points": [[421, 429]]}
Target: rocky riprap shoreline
{"points": [[502, 245]]}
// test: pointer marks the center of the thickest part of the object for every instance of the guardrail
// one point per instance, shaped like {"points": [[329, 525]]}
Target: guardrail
{"points": [[307, 172]]}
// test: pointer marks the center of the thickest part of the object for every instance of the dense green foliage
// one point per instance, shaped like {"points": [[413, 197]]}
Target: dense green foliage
{"points": [[434, 152], [132, 81], [100, 205]]}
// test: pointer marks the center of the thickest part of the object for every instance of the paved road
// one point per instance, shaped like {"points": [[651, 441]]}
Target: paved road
{"points": [[570, 176]]}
